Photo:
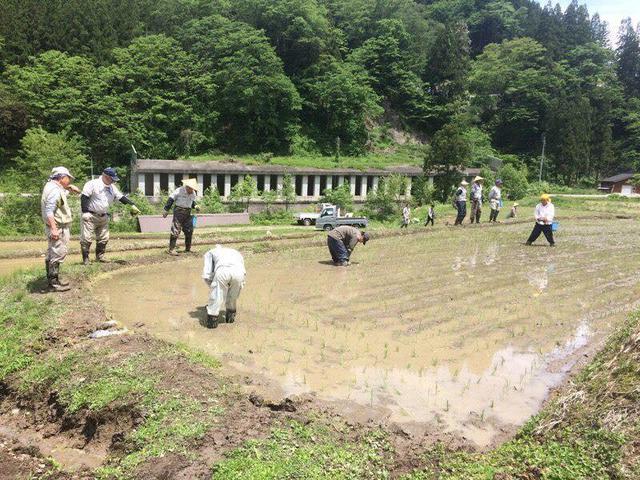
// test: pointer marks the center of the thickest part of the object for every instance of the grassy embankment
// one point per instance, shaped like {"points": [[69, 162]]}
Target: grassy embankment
{"points": [[589, 431], [408, 154]]}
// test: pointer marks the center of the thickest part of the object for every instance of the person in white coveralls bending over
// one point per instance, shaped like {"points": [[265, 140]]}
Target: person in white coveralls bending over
{"points": [[224, 272]]}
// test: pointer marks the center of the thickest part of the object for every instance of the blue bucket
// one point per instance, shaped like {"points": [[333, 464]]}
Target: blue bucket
{"points": [[194, 220], [554, 226]]}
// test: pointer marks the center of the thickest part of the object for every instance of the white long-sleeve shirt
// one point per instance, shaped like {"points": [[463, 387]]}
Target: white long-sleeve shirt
{"points": [[101, 196], [495, 193], [546, 212], [221, 257], [182, 198]]}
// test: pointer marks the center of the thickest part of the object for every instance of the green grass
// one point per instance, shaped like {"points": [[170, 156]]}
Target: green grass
{"points": [[307, 452], [401, 155], [24, 320]]}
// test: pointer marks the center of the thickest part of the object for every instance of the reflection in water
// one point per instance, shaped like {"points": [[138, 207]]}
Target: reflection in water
{"points": [[399, 329]]}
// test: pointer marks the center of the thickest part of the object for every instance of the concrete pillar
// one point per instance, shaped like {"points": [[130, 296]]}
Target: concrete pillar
{"points": [[430, 180], [340, 180], [255, 180], [305, 186], [365, 186], [156, 184], [374, 187], [227, 186], [267, 183], [214, 182], [200, 184], [407, 192], [279, 182], [141, 183], [171, 182], [329, 182], [316, 186], [352, 184]]}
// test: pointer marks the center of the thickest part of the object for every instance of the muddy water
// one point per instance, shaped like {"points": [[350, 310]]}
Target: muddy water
{"points": [[458, 328]]}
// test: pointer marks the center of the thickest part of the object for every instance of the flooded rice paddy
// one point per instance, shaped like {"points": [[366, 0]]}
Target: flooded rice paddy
{"points": [[465, 329]]}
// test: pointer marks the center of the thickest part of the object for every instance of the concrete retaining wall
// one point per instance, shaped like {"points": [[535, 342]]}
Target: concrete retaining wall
{"points": [[156, 223]]}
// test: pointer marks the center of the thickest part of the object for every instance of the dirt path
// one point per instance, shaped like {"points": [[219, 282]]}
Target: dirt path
{"points": [[464, 333]]}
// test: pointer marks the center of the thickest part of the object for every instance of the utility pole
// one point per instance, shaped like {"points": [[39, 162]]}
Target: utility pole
{"points": [[544, 144]]}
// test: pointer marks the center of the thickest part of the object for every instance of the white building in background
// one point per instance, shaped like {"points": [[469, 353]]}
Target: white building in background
{"points": [[151, 177]]}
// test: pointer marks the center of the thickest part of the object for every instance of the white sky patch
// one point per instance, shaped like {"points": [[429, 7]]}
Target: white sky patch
{"points": [[612, 11]]}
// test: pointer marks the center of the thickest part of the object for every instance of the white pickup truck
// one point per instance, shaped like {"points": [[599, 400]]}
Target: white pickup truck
{"points": [[309, 218]]}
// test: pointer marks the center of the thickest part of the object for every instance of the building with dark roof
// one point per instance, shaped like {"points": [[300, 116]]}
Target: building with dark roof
{"points": [[151, 177], [620, 183]]}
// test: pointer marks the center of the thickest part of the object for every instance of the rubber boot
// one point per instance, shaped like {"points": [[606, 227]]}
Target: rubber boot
{"points": [[54, 281], [47, 266], [85, 253], [101, 248], [172, 246], [230, 316], [187, 241], [212, 321]]}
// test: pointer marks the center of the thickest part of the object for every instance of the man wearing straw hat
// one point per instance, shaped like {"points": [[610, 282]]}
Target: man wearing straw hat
{"points": [[476, 199], [56, 215], [184, 199], [544, 214], [460, 202]]}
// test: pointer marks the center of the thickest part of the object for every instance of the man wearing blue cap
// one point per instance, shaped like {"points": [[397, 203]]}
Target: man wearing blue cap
{"points": [[97, 197]]}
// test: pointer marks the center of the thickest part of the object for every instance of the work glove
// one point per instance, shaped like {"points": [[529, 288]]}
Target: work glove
{"points": [[164, 214], [197, 208], [135, 210]]}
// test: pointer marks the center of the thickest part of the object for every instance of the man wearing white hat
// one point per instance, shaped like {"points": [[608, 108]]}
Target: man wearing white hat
{"points": [[57, 218], [184, 199], [460, 202], [476, 199], [495, 200]]}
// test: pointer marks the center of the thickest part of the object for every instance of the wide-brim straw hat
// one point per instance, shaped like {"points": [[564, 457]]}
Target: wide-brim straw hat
{"points": [[191, 183], [546, 197], [516, 204], [478, 178], [464, 183]]}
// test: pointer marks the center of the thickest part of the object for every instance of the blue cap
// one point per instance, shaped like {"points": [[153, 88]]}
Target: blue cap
{"points": [[111, 172], [499, 181]]}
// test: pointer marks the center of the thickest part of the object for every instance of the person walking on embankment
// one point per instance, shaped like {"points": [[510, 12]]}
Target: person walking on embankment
{"points": [[342, 241], [460, 202], [544, 215], [225, 274], [97, 196], [406, 216], [184, 198], [57, 218], [495, 201], [476, 199]]}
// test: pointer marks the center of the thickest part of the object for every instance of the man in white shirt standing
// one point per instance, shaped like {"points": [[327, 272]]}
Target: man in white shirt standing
{"points": [[225, 274], [406, 216], [97, 196], [495, 200], [57, 218], [476, 199], [460, 202], [544, 214], [183, 200]]}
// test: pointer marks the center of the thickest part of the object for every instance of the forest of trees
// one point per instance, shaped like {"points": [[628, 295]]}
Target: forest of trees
{"points": [[484, 78]]}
